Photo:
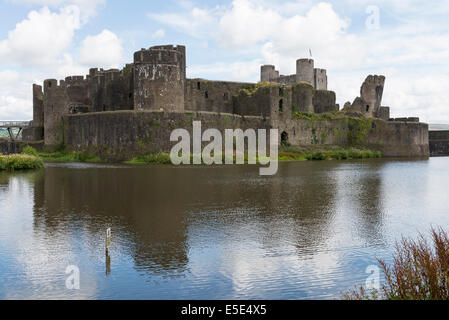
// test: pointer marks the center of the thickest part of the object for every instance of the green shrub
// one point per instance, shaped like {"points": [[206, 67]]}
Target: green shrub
{"points": [[29, 150], [20, 162], [420, 271]]}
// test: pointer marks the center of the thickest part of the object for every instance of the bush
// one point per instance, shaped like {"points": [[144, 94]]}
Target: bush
{"points": [[420, 271], [20, 162], [29, 150]]}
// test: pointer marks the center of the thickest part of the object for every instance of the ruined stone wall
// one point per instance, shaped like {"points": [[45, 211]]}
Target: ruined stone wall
{"points": [[398, 139], [121, 135], [393, 139], [384, 113], [320, 76], [439, 143], [324, 101], [302, 97], [111, 90], [159, 78], [213, 96], [261, 101]]}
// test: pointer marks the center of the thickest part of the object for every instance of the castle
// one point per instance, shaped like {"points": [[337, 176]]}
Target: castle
{"points": [[120, 113]]}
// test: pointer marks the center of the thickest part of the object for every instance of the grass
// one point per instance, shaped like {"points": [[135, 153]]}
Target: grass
{"points": [[66, 156], [420, 271], [326, 153], [152, 158], [20, 162]]}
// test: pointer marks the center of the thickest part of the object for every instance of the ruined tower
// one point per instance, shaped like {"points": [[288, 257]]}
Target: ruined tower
{"points": [[305, 71], [320, 76], [159, 78], [268, 73]]}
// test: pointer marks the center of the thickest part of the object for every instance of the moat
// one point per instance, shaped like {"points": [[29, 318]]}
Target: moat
{"points": [[223, 232]]}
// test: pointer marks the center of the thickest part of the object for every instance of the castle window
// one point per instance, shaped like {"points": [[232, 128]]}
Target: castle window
{"points": [[367, 108], [198, 85], [225, 96], [281, 92], [206, 94], [284, 138], [281, 105]]}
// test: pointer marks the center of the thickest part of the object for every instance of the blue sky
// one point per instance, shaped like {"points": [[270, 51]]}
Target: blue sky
{"points": [[407, 41]]}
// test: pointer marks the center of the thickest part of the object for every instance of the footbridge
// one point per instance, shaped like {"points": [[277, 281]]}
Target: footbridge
{"points": [[11, 125]]}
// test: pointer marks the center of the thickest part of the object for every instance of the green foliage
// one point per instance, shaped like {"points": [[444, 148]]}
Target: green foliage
{"points": [[260, 85], [20, 162], [358, 129], [29, 150], [152, 158], [331, 153], [65, 156]]}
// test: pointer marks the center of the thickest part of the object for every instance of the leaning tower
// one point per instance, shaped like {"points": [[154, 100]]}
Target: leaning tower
{"points": [[159, 78]]}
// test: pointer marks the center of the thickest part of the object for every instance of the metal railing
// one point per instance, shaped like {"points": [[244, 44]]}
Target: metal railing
{"points": [[14, 124]]}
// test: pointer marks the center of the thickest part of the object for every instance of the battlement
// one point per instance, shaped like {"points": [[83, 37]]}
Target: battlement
{"points": [[169, 55]]}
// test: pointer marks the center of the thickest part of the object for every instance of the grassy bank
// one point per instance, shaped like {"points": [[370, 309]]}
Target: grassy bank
{"points": [[20, 162], [325, 153], [66, 156], [285, 154]]}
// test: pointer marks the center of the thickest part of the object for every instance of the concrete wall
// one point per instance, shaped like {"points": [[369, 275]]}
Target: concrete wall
{"points": [[439, 143], [121, 135]]}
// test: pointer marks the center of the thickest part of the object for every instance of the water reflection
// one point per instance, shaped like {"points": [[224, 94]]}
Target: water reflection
{"points": [[215, 232]]}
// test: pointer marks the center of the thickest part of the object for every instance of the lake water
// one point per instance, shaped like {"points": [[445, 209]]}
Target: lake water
{"points": [[310, 232]]}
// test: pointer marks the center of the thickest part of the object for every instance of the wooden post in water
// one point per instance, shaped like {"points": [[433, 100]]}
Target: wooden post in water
{"points": [[108, 239], [108, 258]]}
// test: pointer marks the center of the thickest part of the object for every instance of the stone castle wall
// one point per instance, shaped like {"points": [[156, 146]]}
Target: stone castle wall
{"points": [[439, 143], [122, 135], [212, 96]]}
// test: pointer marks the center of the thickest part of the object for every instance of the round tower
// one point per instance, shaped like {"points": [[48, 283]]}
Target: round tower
{"points": [[159, 78], [267, 73], [305, 71]]}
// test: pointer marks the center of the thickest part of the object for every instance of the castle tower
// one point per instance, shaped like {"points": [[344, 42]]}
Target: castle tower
{"points": [[159, 78], [38, 106], [305, 71], [320, 76], [268, 73]]}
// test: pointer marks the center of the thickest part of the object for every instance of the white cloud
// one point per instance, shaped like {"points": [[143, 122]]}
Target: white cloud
{"points": [[196, 22], [43, 45], [42, 37], [159, 34], [103, 50], [88, 8]]}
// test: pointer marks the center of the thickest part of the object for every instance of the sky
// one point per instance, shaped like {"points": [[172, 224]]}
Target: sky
{"points": [[405, 40]]}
